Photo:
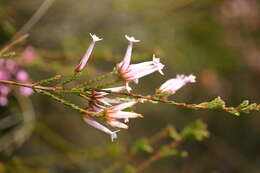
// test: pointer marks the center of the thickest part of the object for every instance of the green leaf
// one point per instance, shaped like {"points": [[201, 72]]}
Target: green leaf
{"points": [[234, 112], [142, 145], [217, 103], [196, 130], [252, 106], [173, 133], [129, 169], [166, 152], [8, 55], [244, 104]]}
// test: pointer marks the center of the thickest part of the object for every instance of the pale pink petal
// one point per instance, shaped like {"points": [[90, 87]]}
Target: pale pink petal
{"points": [[124, 115], [122, 106], [117, 124], [131, 39], [95, 37]]}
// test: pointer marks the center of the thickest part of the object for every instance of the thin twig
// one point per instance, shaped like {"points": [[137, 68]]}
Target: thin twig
{"points": [[35, 18], [12, 43], [28, 85], [138, 96]]}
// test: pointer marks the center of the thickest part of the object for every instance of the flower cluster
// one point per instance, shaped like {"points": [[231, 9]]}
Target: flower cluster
{"points": [[9, 69], [113, 110]]}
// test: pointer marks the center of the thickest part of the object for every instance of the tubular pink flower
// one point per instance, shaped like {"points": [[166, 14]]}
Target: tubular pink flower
{"points": [[136, 71], [172, 85], [86, 56], [124, 115], [95, 107], [127, 58], [101, 127]]}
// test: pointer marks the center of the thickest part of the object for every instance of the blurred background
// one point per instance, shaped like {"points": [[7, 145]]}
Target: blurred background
{"points": [[218, 41]]}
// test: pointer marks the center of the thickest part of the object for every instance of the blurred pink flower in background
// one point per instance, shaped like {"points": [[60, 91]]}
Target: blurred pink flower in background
{"points": [[3, 101], [9, 70], [29, 54], [22, 76], [25, 91]]}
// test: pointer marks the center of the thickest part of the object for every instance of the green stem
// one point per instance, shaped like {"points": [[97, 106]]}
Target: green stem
{"points": [[104, 85], [67, 103], [75, 76], [46, 81], [98, 79]]}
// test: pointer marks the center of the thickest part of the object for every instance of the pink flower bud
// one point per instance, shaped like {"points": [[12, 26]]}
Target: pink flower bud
{"points": [[172, 85]]}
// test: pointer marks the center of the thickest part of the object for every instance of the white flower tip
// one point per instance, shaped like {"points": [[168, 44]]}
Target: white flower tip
{"points": [[156, 60], [161, 72], [159, 65], [114, 135], [139, 116], [191, 78], [95, 38], [187, 79], [141, 100], [128, 88], [131, 39], [126, 120]]}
